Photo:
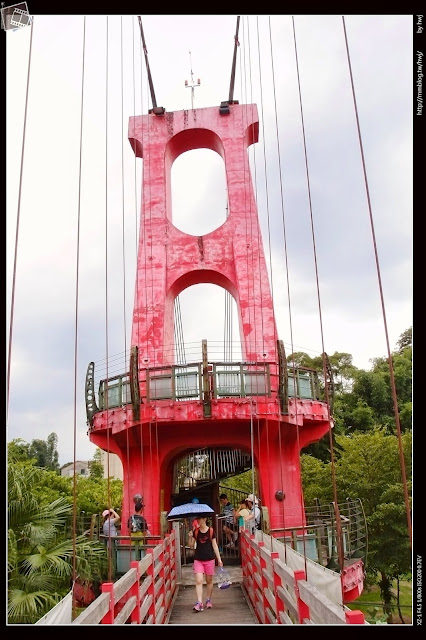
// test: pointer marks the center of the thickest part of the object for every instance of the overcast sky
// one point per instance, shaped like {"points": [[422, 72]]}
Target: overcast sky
{"points": [[43, 394]]}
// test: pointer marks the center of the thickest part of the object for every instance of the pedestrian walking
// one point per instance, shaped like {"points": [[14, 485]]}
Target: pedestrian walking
{"points": [[206, 552]]}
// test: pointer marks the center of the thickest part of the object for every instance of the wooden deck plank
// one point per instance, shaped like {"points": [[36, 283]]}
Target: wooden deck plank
{"points": [[230, 607]]}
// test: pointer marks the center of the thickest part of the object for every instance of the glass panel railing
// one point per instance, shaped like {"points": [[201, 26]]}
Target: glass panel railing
{"points": [[228, 383], [160, 388], [305, 390], [301, 386], [114, 393], [114, 396], [256, 384], [187, 385]]}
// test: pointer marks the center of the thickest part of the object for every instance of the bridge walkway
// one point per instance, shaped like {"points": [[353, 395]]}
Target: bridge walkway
{"points": [[230, 606]]}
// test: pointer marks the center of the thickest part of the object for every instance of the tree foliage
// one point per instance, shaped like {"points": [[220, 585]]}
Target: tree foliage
{"points": [[405, 339], [316, 476], [96, 467], [368, 458], [94, 495], [242, 482], [370, 403], [45, 452], [40, 551]]}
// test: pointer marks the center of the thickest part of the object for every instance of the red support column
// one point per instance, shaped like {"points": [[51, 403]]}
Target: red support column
{"points": [[279, 604], [108, 587], [151, 588], [303, 609], [135, 591], [162, 576], [354, 617], [265, 602]]}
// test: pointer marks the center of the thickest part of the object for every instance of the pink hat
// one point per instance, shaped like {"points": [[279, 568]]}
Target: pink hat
{"points": [[105, 513]]}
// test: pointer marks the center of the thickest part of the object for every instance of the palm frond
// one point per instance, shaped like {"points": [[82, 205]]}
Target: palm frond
{"points": [[25, 608]]}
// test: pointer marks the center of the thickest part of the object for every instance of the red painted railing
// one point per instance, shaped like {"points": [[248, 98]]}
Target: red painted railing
{"points": [[280, 595], [143, 595]]}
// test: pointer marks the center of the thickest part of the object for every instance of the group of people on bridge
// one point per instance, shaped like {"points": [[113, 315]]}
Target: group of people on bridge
{"points": [[201, 537]]}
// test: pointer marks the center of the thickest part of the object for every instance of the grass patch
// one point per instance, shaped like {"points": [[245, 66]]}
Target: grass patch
{"points": [[370, 603]]}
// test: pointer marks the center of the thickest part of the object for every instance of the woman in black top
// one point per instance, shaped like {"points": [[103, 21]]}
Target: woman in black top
{"points": [[204, 560]]}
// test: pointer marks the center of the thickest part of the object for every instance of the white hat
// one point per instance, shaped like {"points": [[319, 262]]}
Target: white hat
{"points": [[105, 513], [250, 499]]}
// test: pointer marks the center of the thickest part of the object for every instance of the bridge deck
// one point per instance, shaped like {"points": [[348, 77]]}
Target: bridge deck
{"points": [[230, 606]]}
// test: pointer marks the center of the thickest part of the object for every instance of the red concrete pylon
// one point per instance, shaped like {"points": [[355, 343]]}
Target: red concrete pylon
{"points": [[168, 262]]}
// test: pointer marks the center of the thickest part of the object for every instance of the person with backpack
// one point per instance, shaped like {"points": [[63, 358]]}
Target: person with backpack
{"points": [[229, 526], [253, 520], [137, 524], [203, 539]]}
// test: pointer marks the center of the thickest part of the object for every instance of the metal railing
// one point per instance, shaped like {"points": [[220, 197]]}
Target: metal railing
{"points": [[225, 380], [318, 538]]}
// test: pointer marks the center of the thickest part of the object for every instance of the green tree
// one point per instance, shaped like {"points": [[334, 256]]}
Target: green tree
{"points": [[52, 486], [368, 401], [18, 449], [40, 555], [94, 495], [342, 368], [96, 466], [242, 482], [316, 480], [300, 359], [52, 456], [352, 413], [405, 339], [45, 452], [369, 468], [38, 451]]}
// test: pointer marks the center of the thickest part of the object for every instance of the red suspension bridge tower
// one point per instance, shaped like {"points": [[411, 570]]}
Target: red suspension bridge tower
{"points": [[159, 411]]}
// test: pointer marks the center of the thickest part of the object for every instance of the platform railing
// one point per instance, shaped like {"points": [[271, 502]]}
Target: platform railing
{"points": [[226, 380], [317, 539]]}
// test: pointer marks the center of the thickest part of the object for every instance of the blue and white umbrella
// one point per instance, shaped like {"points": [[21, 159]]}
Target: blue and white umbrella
{"points": [[189, 509]]}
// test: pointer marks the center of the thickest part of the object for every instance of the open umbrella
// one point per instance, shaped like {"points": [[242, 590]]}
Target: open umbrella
{"points": [[189, 509]]}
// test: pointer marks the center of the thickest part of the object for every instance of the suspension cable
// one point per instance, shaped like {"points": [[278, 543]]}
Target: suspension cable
{"points": [[155, 109], [269, 243], [286, 264], [333, 471], [123, 243], [247, 206], [266, 185], [149, 286], [249, 235], [231, 84], [253, 147], [379, 280], [106, 300], [77, 280], [18, 217], [124, 267]]}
